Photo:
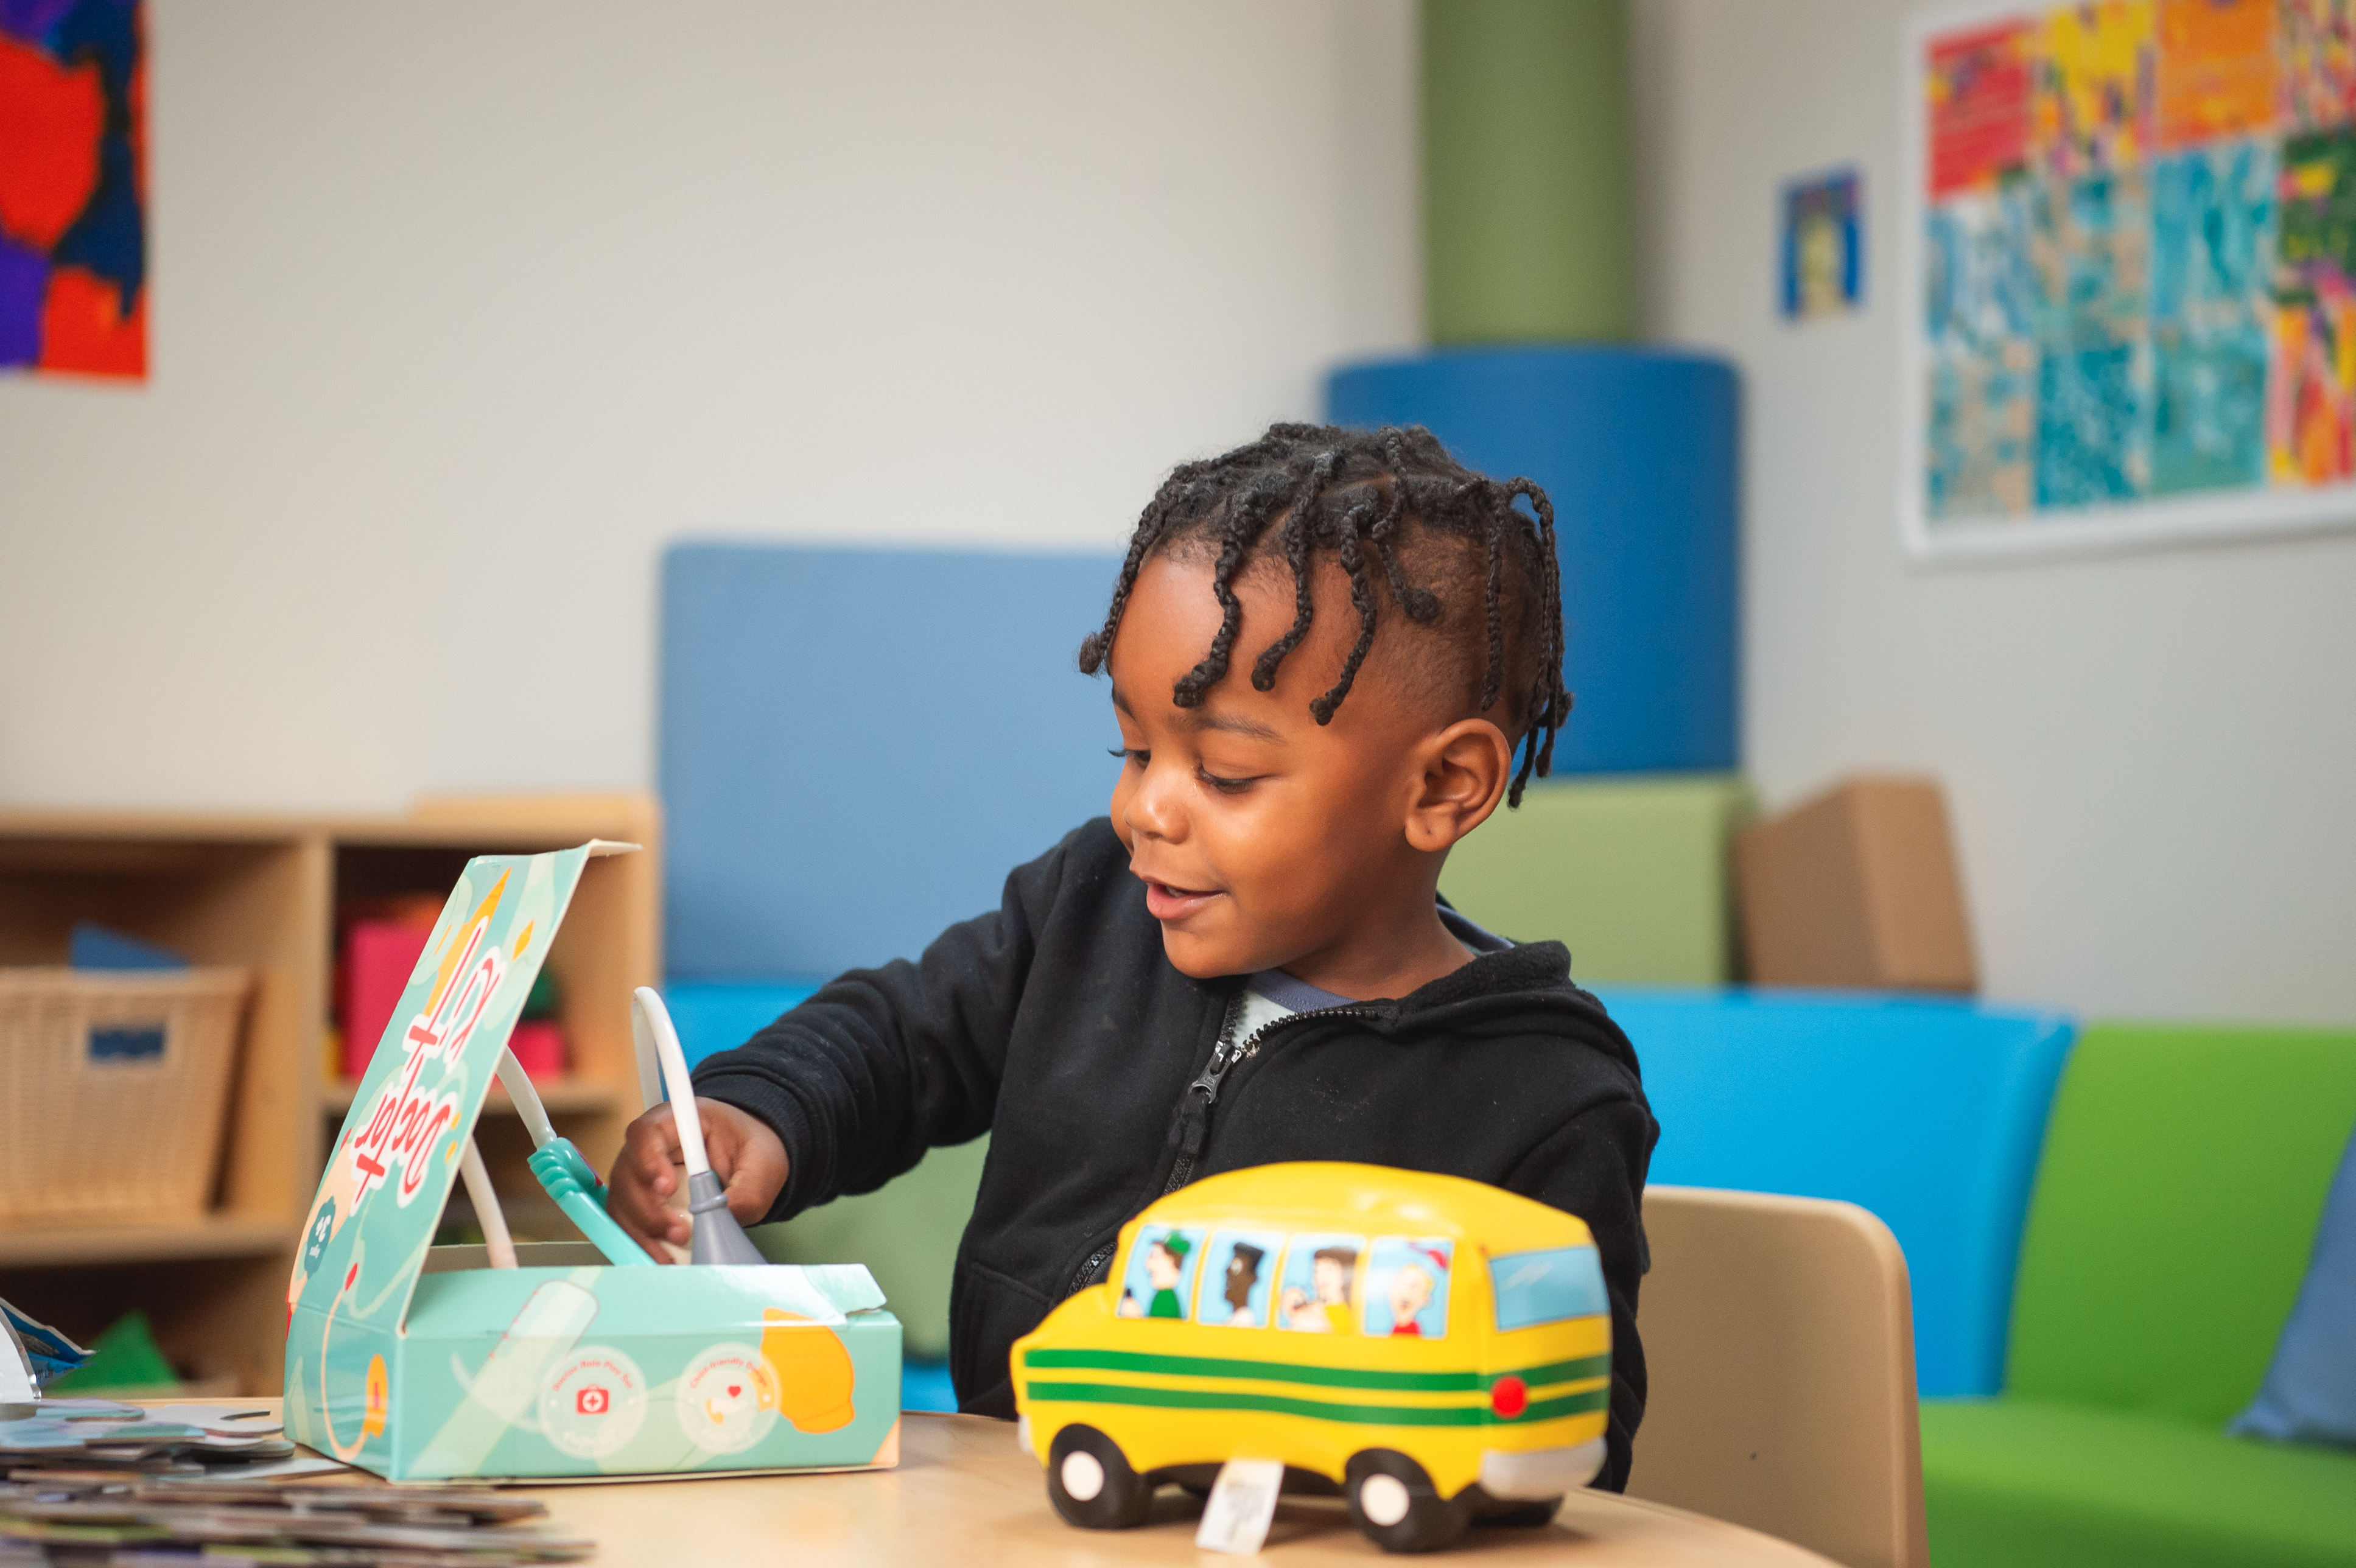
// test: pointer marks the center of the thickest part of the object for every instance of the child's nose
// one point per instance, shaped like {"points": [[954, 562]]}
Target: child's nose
{"points": [[1153, 807]]}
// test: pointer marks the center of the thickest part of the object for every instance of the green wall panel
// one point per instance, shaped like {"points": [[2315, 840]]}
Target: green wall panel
{"points": [[1630, 873], [1529, 200]]}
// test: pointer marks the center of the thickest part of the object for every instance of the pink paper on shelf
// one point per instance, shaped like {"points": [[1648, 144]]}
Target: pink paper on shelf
{"points": [[378, 956], [539, 1047]]}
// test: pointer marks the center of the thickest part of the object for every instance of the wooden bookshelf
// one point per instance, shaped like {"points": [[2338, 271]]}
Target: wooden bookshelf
{"points": [[261, 893]]}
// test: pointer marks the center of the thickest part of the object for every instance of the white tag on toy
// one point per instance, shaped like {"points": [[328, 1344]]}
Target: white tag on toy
{"points": [[1242, 1506]]}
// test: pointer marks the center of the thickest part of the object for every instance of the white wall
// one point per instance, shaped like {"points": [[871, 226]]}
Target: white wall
{"points": [[2151, 758], [462, 311]]}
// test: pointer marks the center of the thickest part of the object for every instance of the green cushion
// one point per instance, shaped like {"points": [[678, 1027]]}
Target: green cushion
{"points": [[1630, 873], [2013, 1483], [906, 1231], [2184, 1172]]}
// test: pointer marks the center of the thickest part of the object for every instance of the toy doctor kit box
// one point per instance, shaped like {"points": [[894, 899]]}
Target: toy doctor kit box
{"points": [[405, 1365]]}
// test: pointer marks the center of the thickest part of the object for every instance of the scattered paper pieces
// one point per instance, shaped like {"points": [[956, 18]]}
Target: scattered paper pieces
{"points": [[108, 1435], [142, 1523], [97, 1483]]}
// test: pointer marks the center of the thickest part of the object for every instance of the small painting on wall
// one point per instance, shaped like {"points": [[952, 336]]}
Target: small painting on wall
{"points": [[1823, 246], [73, 187]]}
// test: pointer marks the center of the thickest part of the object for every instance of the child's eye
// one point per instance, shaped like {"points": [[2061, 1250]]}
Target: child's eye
{"points": [[1128, 754], [1225, 787]]}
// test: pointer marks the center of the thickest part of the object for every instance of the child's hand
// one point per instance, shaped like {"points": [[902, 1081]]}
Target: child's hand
{"points": [[649, 1173]]}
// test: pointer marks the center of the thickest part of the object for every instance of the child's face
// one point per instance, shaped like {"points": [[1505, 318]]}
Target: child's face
{"points": [[1265, 839]]}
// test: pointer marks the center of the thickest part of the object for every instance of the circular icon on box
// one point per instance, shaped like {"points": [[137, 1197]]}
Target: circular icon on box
{"points": [[593, 1401], [727, 1399]]}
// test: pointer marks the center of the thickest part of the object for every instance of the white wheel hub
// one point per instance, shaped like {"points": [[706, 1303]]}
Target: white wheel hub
{"points": [[1383, 1499], [1084, 1478]]}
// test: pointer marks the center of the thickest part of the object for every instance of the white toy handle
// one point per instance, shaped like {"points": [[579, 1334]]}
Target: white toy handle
{"points": [[650, 1078], [487, 1213], [527, 1100], [648, 1015]]}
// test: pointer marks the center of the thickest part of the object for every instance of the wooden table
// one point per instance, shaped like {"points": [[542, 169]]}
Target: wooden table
{"points": [[964, 1494]]}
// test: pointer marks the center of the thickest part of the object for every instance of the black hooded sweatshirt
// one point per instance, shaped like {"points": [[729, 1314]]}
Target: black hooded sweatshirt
{"points": [[1055, 1024]]}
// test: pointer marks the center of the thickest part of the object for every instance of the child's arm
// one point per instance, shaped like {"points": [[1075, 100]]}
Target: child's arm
{"points": [[851, 1087], [1594, 1168]]}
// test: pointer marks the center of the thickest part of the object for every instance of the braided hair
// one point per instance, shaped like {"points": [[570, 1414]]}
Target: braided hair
{"points": [[1353, 494]]}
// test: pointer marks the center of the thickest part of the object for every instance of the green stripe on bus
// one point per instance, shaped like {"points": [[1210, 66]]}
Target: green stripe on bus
{"points": [[1317, 1409], [1578, 1370]]}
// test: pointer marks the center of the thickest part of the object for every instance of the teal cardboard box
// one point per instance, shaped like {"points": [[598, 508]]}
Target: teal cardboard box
{"points": [[404, 1359]]}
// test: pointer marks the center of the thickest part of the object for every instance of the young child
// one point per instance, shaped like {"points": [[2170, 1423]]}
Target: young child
{"points": [[1325, 650]]}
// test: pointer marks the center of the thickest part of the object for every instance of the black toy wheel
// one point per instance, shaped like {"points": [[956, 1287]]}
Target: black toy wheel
{"points": [[1090, 1483], [1395, 1505]]}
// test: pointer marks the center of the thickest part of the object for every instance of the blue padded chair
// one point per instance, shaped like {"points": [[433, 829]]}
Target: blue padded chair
{"points": [[1931, 1113]]}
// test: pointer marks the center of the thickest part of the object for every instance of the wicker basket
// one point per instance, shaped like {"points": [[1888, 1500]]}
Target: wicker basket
{"points": [[113, 1089]]}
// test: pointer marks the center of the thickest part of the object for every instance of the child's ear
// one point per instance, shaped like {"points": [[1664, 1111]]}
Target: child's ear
{"points": [[1463, 771]]}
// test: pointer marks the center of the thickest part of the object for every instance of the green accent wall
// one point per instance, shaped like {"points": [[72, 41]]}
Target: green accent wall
{"points": [[1529, 193], [1629, 871]]}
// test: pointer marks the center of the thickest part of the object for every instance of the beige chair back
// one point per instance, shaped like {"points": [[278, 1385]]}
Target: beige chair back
{"points": [[1779, 1343]]}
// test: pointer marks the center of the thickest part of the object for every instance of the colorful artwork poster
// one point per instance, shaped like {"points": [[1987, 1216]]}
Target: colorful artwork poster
{"points": [[2132, 292], [73, 187], [1822, 253]]}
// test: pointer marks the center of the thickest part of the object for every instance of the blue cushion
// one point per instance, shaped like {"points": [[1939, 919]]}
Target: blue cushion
{"points": [[2309, 1394], [857, 745], [1637, 449], [1928, 1112]]}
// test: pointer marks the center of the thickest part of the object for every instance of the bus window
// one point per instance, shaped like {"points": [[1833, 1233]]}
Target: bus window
{"points": [[1547, 1287], [1161, 1274], [1239, 1276], [1407, 1287], [1320, 1275]]}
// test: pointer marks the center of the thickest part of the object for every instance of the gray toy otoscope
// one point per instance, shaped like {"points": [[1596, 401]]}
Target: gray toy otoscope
{"points": [[718, 1238]]}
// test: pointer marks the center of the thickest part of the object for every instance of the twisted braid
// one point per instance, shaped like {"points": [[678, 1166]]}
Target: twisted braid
{"points": [[1355, 495]]}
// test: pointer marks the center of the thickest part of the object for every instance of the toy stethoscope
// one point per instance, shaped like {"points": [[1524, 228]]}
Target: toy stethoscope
{"points": [[569, 1179]]}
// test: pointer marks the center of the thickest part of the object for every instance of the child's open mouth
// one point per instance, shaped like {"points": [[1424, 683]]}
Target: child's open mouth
{"points": [[1166, 903]]}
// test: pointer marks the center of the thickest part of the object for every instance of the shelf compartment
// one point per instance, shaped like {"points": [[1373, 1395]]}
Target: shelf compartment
{"points": [[210, 1236]]}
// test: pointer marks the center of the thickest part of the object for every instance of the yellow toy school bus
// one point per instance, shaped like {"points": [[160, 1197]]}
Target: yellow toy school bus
{"points": [[1436, 1349]]}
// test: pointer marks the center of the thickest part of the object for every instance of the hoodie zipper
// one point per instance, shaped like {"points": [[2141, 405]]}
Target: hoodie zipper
{"points": [[1194, 1107], [1194, 1113]]}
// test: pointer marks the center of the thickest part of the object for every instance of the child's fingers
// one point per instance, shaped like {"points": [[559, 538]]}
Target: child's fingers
{"points": [[747, 1158], [673, 1229], [645, 1174], [651, 1143]]}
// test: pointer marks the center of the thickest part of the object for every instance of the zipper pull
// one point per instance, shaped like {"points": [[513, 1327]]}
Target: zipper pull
{"points": [[1193, 1123], [1209, 1080]]}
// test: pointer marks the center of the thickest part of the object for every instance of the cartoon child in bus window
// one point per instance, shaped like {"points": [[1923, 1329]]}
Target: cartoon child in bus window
{"points": [[1235, 1280], [1159, 1277], [1318, 1271], [1407, 1286]]}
